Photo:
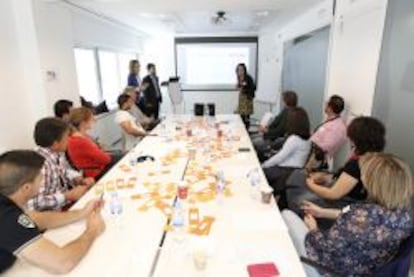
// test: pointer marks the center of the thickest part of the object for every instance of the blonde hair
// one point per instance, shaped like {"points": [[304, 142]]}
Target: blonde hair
{"points": [[132, 64], [79, 115], [129, 90], [387, 179]]}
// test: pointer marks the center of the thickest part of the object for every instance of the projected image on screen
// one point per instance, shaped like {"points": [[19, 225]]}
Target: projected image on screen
{"points": [[211, 66]]}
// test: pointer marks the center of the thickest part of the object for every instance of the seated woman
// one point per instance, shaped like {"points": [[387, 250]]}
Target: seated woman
{"points": [[82, 151], [132, 130], [364, 236], [366, 134], [147, 122], [294, 153]]}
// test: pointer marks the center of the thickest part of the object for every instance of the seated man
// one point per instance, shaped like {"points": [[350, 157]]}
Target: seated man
{"points": [[329, 136], [132, 130], [62, 109], [62, 185], [147, 122], [271, 135], [20, 232]]}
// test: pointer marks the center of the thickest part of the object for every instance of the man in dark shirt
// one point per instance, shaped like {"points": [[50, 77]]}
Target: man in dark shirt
{"points": [[21, 231], [152, 92], [273, 133]]}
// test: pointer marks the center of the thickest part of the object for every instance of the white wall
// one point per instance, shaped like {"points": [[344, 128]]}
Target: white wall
{"points": [[21, 91], [55, 40], [356, 42], [60, 28], [271, 42], [39, 36]]}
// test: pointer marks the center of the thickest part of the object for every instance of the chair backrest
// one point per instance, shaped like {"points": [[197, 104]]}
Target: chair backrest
{"points": [[399, 266], [198, 109], [211, 109]]}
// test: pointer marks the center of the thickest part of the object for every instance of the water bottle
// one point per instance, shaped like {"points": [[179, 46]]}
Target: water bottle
{"points": [[115, 205], [178, 215], [178, 222], [254, 184], [220, 191], [132, 161]]}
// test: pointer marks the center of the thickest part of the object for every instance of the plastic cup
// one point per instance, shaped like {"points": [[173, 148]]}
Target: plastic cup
{"points": [[200, 258], [182, 191], [267, 195]]}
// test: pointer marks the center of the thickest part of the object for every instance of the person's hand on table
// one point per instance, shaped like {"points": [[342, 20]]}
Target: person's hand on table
{"points": [[95, 223], [91, 206], [310, 222], [312, 209], [76, 193]]}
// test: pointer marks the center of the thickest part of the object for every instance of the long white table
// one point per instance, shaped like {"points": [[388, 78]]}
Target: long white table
{"points": [[244, 232]]}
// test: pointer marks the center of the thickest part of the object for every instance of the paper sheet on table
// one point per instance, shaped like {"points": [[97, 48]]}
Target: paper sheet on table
{"points": [[260, 221]]}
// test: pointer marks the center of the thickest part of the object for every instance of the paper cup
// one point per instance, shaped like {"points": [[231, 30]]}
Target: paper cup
{"points": [[267, 195]]}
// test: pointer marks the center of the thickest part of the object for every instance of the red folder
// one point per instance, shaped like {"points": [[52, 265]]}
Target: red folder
{"points": [[263, 270]]}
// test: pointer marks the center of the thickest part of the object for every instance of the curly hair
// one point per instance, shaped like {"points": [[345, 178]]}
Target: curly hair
{"points": [[367, 134]]}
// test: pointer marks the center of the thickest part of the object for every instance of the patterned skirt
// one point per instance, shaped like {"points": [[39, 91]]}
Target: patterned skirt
{"points": [[245, 105]]}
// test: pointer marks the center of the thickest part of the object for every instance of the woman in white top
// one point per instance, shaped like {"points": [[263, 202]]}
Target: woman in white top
{"points": [[143, 119], [294, 153], [131, 129]]}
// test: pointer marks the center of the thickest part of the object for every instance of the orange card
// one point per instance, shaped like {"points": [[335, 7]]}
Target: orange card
{"points": [[193, 216], [165, 208], [204, 226], [131, 182], [120, 183]]}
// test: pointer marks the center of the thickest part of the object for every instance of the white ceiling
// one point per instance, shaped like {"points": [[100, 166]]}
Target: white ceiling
{"points": [[194, 16]]}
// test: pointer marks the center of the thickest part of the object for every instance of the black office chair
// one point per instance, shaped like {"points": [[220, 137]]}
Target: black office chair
{"points": [[398, 266], [211, 109], [199, 109]]}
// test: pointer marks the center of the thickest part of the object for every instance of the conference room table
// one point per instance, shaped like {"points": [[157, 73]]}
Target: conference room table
{"points": [[143, 241]]}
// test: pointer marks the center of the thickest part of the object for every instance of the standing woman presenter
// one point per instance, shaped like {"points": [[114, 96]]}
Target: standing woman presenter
{"points": [[246, 87]]}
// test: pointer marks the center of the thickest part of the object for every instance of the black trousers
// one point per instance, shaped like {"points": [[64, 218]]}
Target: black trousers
{"points": [[246, 120], [153, 110]]}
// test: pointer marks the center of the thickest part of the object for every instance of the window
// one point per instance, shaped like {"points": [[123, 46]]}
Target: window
{"points": [[102, 74], [111, 84], [87, 75]]}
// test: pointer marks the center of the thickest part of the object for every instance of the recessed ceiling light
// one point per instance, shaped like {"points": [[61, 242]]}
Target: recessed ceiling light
{"points": [[262, 13], [153, 15]]}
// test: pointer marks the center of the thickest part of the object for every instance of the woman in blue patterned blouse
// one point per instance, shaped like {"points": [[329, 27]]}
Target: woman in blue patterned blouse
{"points": [[364, 236]]}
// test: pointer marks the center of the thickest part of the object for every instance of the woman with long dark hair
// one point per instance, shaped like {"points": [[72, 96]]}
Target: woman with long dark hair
{"points": [[246, 87], [293, 154]]}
